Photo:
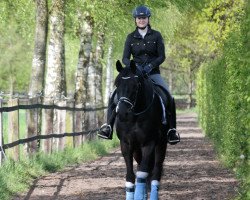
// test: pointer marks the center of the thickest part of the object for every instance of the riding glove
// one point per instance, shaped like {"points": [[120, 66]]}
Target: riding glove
{"points": [[147, 69]]}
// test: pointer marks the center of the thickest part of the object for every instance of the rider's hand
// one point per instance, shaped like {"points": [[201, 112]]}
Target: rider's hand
{"points": [[147, 69]]}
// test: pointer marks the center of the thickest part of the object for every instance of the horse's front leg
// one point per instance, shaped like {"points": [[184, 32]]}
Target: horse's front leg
{"points": [[142, 173], [127, 153], [160, 153]]}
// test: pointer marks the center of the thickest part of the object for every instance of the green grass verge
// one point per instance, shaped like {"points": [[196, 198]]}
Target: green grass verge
{"points": [[16, 177]]}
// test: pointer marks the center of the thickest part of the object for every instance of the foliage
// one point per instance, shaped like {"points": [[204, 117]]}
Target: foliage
{"points": [[216, 21], [16, 177], [16, 20], [223, 101], [112, 16], [199, 39]]}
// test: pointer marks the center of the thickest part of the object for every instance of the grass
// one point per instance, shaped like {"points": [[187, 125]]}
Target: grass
{"points": [[16, 177]]}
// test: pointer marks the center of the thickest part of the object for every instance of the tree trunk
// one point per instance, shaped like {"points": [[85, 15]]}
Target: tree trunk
{"points": [[98, 65], [98, 76], [55, 83], [90, 116], [39, 56], [109, 75], [94, 87], [38, 69], [86, 33], [55, 86], [190, 89]]}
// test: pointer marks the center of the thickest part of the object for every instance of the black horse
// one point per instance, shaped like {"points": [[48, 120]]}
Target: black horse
{"points": [[140, 131]]}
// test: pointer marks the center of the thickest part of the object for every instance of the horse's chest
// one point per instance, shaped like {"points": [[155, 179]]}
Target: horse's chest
{"points": [[131, 129]]}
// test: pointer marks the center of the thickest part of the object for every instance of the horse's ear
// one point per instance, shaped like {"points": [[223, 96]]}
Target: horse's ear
{"points": [[133, 66], [119, 66]]}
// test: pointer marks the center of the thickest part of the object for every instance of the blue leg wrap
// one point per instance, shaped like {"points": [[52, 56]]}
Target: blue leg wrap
{"points": [[130, 193], [140, 189], [154, 192], [146, 193]]}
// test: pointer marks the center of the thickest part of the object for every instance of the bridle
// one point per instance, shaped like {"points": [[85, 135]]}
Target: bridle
{"points": [[132, 103], [126, 99]]}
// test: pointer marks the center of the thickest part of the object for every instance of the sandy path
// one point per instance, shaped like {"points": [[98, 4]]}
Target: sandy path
{"points": [[191, 172]]}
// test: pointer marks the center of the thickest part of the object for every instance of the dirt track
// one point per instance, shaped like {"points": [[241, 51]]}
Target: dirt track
{"points": [[191, 172]]}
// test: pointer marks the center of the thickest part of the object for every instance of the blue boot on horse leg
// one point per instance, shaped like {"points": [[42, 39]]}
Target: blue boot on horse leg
{"points": [[154, 190], [130, 191], [140, 186]]}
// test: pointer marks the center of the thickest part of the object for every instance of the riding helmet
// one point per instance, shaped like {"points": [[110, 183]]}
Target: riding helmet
{"points": [[141, 11]]}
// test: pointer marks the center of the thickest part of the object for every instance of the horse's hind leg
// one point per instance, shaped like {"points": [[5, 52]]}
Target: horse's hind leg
{"points": [[127, 153], [160, 153]]}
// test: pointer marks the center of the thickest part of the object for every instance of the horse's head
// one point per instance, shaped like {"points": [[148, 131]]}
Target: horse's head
{"points": [[128, 84]]}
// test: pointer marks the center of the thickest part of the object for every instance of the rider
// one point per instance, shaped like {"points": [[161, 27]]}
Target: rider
{"points": [[147, 48]]}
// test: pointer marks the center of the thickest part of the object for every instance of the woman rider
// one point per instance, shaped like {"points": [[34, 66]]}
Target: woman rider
{"points": [[147, 48]]}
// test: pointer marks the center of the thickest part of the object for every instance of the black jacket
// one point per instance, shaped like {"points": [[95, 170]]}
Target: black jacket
{"points": [[149, 49]]}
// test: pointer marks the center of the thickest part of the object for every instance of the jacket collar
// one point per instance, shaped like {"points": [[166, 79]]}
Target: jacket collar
{"points": [[138, 35]]}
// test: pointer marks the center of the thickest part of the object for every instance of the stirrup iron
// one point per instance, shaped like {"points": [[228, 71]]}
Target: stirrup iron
{"points": [[176, 133], [109, 130]]}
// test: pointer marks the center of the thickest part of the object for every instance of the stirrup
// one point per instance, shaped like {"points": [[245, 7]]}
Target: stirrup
{"points": [[172, 142], [102, 134]]}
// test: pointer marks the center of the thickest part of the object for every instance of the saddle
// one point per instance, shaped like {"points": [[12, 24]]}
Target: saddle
{"points": [[162, 94]]}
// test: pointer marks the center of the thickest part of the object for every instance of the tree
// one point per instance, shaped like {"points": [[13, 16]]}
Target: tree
{"points": [[86, 33], [98, 58], [55, 83], [38, 70], [55, 78], [39, 56], [109, 73]]}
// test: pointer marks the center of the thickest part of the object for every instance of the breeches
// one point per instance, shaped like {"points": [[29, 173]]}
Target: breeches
{"points": [[158, 80]]}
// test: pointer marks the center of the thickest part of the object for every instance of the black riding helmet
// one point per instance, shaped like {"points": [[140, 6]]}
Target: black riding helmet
{"points": [[141, 11]]}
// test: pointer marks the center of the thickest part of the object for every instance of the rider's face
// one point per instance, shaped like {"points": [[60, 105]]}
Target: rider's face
{"points": [[141, 22]]}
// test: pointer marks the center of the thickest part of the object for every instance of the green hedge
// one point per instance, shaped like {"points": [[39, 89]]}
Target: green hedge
{"points": [[223, 99]]}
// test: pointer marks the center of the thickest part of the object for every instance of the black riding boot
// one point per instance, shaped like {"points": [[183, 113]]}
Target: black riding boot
{"points": [[173, 135], [106, 130]]}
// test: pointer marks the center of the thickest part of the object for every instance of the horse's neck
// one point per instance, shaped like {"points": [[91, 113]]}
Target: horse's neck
{"points": [[145, 96]]}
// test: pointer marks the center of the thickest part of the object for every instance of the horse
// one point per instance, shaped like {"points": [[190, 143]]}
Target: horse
{"points": [[140, 131]]}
